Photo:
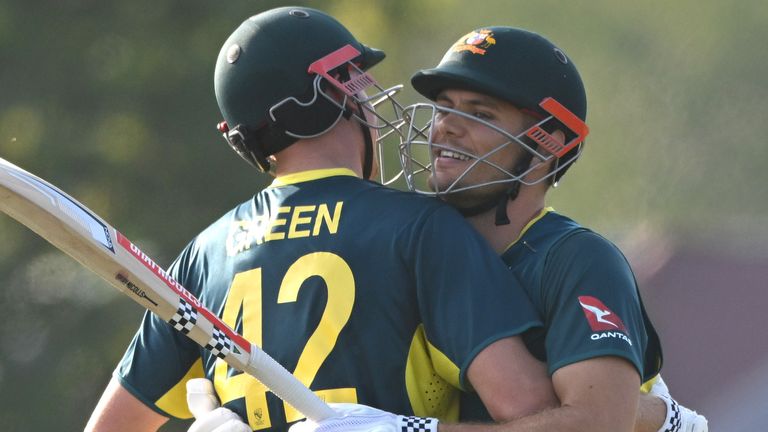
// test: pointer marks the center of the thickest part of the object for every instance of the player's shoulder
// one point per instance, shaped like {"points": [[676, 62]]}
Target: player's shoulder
{"points": [[412, 199], [352, 190], [587, 245], [209, 238], [399, 203], [550, 228]]}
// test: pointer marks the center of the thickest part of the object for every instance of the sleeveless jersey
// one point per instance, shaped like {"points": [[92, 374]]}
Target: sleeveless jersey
{"points": [[366, 294], [585, 291]]}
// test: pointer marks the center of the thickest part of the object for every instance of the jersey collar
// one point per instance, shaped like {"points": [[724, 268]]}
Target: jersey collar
{"points": [[304, 176], [538, 217]]}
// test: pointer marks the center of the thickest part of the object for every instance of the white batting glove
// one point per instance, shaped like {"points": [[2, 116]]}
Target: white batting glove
{"points": [[679, 418], [361, 418], [660, 388], [219, 420], [209, 416]]}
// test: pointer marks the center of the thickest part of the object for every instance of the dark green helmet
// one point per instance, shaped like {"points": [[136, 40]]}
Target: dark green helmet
{"points": [[512, 64], [515, 65], [266, 92]]}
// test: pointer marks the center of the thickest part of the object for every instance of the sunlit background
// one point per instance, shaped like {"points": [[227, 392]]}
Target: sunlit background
{"points": [[113, 102]]}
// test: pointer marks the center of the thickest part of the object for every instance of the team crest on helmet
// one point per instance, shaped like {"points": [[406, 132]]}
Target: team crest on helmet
{"points": [[476, 42]]}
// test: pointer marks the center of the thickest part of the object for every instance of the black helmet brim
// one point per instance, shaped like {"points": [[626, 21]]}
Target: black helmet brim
{"points": [[370, 57], [430, 82]]}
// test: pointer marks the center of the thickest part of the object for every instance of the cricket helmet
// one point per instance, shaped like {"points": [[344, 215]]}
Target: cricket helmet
{"points": [[519, 67], [515, 65], [272, 74]]}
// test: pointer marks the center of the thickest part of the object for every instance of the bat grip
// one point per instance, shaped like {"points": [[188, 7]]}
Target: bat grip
{"points": [[286, 386]]}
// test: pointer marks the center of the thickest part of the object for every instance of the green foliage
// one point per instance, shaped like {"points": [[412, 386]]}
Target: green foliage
{"points": [[113, 102]]}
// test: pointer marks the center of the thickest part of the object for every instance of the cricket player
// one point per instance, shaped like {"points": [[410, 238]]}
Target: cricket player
{"points": [[368, 295], [506, 124]]}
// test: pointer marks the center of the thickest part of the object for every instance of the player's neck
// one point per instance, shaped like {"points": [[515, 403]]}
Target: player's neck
{"points": [[520, 212], [339, 148]]}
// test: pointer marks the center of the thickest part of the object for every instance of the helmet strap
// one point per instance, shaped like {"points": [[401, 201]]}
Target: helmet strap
{"points": [[501, 208], [479, 208], [500, 200], [368, 157], [368, 144], [511, 194]]}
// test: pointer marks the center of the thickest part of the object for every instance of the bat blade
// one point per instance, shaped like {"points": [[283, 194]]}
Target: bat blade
{"points": [[76, 230]]}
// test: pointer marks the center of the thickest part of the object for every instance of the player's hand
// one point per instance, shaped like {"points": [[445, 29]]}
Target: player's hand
{"points": [[209, 416], [679, 418], [361, 418]]}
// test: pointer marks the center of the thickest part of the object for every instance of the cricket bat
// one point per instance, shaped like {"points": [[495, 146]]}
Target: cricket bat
{"points": [[78, 231]]}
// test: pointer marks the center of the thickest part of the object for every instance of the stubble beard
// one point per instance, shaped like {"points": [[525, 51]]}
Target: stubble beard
{"points": [[467, 199]]}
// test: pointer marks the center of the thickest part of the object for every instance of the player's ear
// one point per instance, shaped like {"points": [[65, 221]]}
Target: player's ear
{"points": [[536, 163], [538, 168], [559, 136]]}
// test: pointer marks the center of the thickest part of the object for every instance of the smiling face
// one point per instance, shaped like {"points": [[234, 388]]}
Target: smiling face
{"points": [[468, 151]]}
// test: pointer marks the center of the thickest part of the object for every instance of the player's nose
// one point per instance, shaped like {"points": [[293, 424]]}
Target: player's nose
{"points": [[447, 124]]}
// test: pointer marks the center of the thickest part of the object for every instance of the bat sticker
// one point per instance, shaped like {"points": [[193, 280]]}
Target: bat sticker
{"points": [[136, 290], [73, 210], [176, 287]]}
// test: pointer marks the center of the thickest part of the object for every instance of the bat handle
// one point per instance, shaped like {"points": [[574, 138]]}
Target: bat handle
{"points": [[286, 386]]}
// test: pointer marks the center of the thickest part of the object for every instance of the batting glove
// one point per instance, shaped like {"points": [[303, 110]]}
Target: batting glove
{"points": [[219, 420], [361, 418], [679, 418], [209, 416]]}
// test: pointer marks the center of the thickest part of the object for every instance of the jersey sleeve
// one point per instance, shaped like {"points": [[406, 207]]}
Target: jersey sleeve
{"points": [[468, 298], [159, 361], [592, 303]]}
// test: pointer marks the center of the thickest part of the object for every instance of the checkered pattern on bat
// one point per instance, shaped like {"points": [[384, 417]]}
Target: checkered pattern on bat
{"points": [[220, 345], [416, 424], [185, 318]]}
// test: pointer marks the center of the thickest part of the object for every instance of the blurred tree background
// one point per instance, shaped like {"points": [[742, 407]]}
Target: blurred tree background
{"points": [[113, 102]]}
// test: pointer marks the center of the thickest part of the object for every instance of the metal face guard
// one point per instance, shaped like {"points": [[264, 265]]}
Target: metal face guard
{"points": [[389, 125], [417, 148]]}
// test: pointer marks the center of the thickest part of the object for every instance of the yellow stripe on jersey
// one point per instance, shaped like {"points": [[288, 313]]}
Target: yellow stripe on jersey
{"points": [[304, 176], [530, 223], [174, 402], [646, 387], [430, 394]]}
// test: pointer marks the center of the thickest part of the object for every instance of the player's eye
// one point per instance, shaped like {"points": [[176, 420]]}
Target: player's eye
{"points": [[441, 113], [483, 115]]}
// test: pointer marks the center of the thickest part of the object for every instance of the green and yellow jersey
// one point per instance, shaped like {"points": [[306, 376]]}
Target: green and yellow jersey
{"points": [[585, 292], [366, 294]]}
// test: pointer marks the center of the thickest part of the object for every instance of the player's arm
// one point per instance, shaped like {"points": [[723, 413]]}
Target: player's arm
{"points": [[510, 381], [651, 413], [596, 395], [600, 392], [118, 410], [474, 284]]}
